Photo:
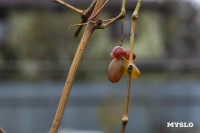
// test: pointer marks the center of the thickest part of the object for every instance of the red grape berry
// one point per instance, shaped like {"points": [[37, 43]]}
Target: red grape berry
{"points": [[112, 56], [118, 52], [116, 70], [127, 53]]}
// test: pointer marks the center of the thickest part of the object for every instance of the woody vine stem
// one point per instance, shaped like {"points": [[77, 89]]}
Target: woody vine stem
{"points": [[92, 16], [130, 66]]}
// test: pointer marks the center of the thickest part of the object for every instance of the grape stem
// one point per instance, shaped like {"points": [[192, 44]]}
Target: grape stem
{"points": [[130, 67], [123, 10], [122, 32]]}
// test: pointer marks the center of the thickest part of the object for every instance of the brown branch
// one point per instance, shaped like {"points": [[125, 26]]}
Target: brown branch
{"points": [[122, 32], [120, 16], [90, 9], [107, 20], [81, 12], [77, 25], [132, 36], [70, 78], [85, 14], [94, 22], [130, 66], [103, 26], [100, 9], [125, 115], [2, 131], [85, 17]]}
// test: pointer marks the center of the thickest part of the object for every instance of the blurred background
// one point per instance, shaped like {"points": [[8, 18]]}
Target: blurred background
{"points": [[37, 49]]}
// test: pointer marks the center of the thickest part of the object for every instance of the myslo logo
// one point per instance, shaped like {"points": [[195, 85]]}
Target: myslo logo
{"points": [[180, 124]]}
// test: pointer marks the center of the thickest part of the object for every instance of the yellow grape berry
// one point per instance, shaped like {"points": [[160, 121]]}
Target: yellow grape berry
{"points": [[116, 70], [135, 72]]}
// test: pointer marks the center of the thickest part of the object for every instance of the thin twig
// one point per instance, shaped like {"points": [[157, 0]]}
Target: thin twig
{"points": [[130, 67], [100, 9], [81, 24], [85, 17], [132, 36], [89, 10], [122, 31], [80, 28], [137, 9], [77, 25], [123, 11], [107, 20], [125, 115], [85, 14], [70, 6], [103, 26], [119, 16]]}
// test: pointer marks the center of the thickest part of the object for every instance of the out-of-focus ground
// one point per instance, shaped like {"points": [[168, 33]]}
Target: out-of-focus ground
{"points": [[37, 48]]}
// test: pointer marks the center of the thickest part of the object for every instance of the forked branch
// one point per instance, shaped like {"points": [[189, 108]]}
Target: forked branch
{"points": [[121, 15], [85, 14]]}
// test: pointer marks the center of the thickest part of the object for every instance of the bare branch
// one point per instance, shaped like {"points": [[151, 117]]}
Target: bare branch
{"points": [[125, 115], [77, 25], [71, 75], [120, 16], [100, 9], [130, 66], [122, 31], [85, 17], [107, 20], [135, 13], [1, 130], [81, 24], [89, 10], [70, 6]]}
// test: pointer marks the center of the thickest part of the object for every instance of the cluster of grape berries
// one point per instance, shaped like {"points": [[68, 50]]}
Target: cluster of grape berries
{"points": [[118, 53], [119, 64]]}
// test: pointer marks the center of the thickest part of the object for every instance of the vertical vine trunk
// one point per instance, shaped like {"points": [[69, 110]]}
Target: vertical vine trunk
{"points": [[68, 84]]}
